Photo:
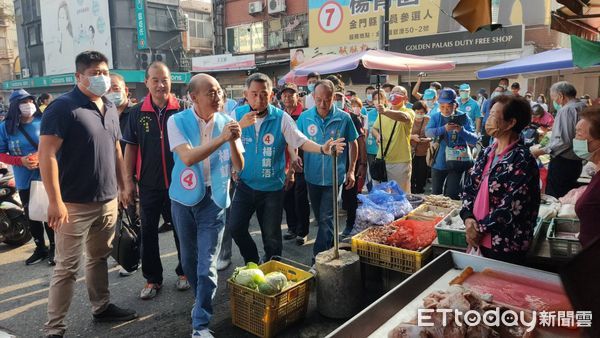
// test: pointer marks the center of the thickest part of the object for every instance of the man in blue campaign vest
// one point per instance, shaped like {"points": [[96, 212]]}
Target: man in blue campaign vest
{"points": [[323, 122], [267, 132], [206, 148], [469, 106]]}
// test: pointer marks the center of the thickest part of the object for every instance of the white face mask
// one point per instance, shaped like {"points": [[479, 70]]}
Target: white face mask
{"points": [[27, 109], [115, 97]]}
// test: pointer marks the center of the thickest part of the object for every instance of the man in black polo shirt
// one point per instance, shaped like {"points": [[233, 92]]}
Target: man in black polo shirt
{"points": [[146, 137], [81, 166]]}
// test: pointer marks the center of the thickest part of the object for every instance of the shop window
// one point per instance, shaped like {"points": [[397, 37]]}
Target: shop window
{"points": [[288, 32], [246, 38]]}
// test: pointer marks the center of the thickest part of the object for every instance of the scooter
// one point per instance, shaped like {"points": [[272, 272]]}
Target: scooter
{"points": [[14, 225]]}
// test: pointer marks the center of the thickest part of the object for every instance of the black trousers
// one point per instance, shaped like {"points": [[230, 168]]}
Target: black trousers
{"points": [[153, 203], [419, 174], [297, 208], [562, 176], [350, 204], [36, 228]]}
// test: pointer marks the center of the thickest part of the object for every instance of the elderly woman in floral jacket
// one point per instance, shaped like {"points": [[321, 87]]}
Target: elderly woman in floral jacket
{"points": [[501, 194]]}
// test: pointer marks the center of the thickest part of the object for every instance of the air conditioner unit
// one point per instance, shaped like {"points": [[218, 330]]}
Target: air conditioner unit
{"points": [[144, 59], [162, 57], [255, 7], [276, 6]]}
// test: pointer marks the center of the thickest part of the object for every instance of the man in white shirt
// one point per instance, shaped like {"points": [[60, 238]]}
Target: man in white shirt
{"points": [[206, 146], [311, 79]]}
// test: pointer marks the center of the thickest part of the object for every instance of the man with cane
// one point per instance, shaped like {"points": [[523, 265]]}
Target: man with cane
{"points": [[323, 122]]}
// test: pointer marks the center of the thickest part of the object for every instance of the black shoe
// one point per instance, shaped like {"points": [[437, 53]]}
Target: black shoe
{"points": [[54, 336], [51, 261], [165, 227], [300, 240], [114, 313], [39, 254], [289, 235]]}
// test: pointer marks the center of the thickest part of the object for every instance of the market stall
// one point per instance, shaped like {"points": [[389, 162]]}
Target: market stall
{"points": [[459, 281]]}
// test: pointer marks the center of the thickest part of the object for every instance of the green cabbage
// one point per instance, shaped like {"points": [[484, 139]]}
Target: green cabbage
{"points": [[277, 280], [267, 289], [249, 276]]}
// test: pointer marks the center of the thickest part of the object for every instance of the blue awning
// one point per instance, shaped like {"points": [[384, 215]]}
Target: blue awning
{"points": [[552, 60]]}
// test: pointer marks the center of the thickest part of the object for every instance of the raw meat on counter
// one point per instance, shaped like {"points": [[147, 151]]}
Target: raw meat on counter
{"points": [[463, 299], [516, 291]]}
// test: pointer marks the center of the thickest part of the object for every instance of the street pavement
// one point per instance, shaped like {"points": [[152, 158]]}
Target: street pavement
{"points": [[24, 292]]}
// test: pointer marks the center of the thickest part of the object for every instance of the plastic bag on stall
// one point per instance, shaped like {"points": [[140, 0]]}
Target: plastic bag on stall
{"points": [[399, 208], [370, 213], [391, 188]]}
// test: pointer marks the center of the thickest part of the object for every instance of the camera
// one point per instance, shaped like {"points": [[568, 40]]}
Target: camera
{"points": [[422, 74], [379, 79]]}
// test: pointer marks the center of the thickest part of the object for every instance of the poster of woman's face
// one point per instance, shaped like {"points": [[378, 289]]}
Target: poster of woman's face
{"points": [[71, 27]]}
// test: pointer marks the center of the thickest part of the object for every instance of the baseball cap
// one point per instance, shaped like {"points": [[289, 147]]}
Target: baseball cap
{"points": [[447, 96], [465, 86], [20, 94], [289, 86], [429, 94]]}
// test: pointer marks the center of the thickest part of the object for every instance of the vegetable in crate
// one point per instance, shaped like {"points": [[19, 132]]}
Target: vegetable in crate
{"points": [[275, 282], [249, 276]]}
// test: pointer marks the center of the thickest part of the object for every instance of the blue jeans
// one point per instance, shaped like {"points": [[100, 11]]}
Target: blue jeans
{"points": [[321, 200], [269, 209], [200, 230]]}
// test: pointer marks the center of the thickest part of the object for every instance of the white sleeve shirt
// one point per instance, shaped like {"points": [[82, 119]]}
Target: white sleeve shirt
{"points": [[176, 139]]}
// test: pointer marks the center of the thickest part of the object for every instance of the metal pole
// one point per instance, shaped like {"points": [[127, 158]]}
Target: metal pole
{"points": [[386, 37], [336, 226]]}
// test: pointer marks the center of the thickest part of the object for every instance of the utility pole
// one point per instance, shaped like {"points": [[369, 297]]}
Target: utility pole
{"points": [[386, 25]]}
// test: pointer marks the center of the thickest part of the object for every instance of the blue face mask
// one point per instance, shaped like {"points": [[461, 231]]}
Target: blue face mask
{"points": [[580, 148], [556, 106], [369, 97], [311, 87], [339, 104], [99, 84]]}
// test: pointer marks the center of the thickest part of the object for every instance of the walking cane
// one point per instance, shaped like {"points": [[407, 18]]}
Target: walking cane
{"points": [[336, 225]]}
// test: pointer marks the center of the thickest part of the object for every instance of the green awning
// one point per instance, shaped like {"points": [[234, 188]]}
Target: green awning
{"points": [[585, 53]]}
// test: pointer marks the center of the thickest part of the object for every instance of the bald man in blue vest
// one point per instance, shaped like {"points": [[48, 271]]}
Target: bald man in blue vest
{"points": [[207, 147], [267, 133]]}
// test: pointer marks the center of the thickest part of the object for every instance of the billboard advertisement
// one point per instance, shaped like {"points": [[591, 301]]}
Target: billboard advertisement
{"points": [[299, 55], [71, 27], [340, 22]]}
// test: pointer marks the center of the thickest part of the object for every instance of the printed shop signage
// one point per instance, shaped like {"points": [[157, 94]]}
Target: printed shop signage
{"points": [[354, 21], [461, 42]]}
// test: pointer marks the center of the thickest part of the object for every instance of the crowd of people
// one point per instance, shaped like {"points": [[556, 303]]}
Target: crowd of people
{"points": [[208, 165]]}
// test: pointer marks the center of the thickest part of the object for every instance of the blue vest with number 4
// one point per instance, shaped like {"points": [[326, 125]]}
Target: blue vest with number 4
{"points": [[264, 156], [187, 183]]}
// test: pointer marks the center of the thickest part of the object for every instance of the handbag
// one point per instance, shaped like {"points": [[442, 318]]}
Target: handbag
{"points": [[458, 157], [38, 202], [125, 244], [377, 169], [434, 148], [38, 199]]}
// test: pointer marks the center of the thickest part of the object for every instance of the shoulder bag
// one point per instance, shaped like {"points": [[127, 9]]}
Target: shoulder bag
{"points": [[125, 244], [38, 199], [377, 170]]}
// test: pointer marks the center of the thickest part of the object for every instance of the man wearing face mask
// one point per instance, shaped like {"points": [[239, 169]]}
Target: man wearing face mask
{"points": [[83, 171], [311, 79], [469, 106], [266, 134], [369, 93], [396, 124], [455, 132], [149, 152], [430, 97], [19, 138], [565, 166], [500, 90]]}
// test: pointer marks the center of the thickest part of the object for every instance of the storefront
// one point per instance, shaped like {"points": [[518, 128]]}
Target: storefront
{"points": [[60, 84]]}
